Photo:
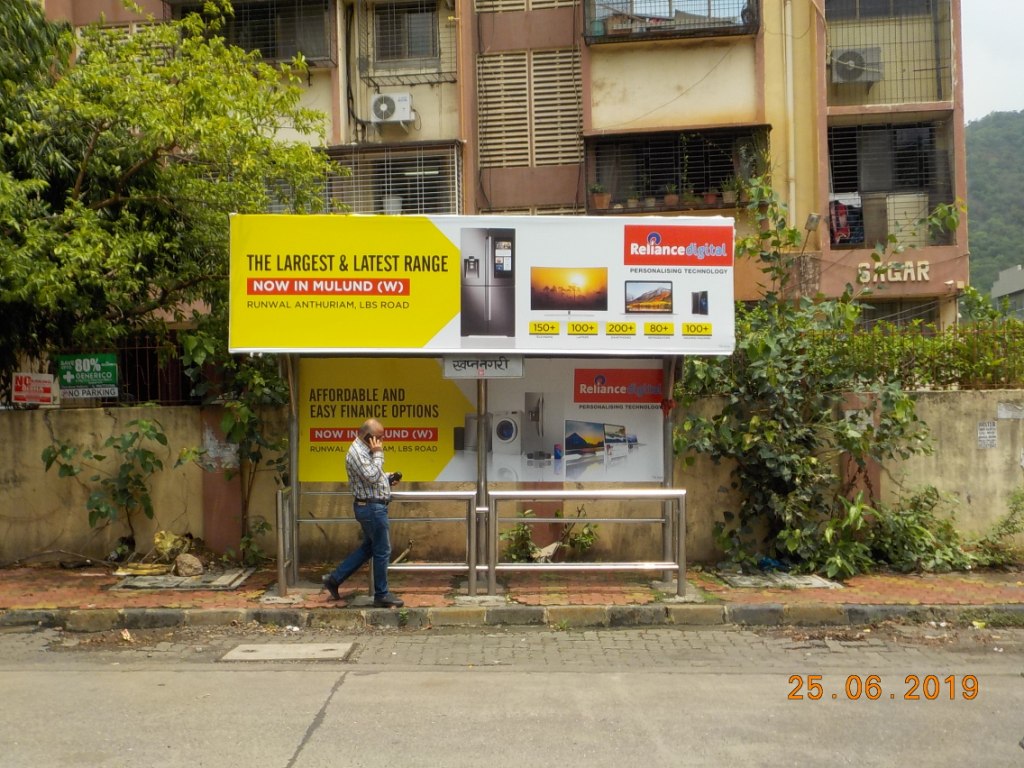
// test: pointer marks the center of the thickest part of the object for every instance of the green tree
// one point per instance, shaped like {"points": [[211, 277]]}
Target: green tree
{"points": [[119, 169], [793, 409]]}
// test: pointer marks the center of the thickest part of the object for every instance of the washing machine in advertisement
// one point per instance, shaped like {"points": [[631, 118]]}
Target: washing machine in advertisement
{"points": [[507, 432]]}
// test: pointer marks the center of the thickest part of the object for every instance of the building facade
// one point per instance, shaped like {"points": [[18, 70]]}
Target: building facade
{"points": [[1008, 291], [654, 107]]}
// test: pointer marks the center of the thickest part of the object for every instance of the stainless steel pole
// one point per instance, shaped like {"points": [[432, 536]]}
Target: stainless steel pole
{"points": [[471, 549], [482, 436], [668, 378], [681, 546], [492, 546]]}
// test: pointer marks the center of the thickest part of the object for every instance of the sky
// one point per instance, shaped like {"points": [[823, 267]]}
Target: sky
{"points": [[993, 54]]}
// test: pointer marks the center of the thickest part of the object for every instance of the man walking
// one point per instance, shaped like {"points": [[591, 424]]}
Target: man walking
{"points": [[371, 488]]}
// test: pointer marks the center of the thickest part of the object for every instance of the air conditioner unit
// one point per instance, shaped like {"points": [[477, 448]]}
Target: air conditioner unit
{"points": [[857, 65], [391, 108]]}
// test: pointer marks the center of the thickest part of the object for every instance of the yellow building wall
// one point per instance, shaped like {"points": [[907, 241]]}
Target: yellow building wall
{"points": [[703, 86]]}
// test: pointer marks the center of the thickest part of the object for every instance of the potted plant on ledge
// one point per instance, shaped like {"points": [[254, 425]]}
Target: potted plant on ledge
{"points": [[599, 197], [671, 198], [730, 191]]}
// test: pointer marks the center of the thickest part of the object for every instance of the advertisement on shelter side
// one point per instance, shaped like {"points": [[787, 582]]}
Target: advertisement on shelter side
{"points": [[568, 420]]}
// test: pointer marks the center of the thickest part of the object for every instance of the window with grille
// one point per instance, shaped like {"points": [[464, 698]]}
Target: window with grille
{"points": [[900, 312], [874, 9], [887, 177], [609, 21], [530, 112], [691, 163], [279, 29], [406, 43], [421, 179], [405, 31], [889, 51], [508, 6]]}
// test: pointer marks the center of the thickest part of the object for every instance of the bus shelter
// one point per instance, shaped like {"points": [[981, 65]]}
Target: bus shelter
{"points": [[509, 358]]}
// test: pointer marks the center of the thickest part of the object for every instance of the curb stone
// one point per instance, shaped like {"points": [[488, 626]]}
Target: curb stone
{"points": [[696, 615], [578, 615], [282, 617], [94, 620], [343, 620], [42, 618], [814, 615], [153, 618], [216, 617], [516, 615], [656, 614], [761, 614], [636, 615], [463, 616]]}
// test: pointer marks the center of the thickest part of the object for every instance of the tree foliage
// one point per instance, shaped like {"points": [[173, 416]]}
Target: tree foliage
{"points": [[800, 424], [119, 167]]}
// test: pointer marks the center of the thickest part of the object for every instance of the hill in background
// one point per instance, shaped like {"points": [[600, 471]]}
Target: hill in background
{"points": [[995, 195]]}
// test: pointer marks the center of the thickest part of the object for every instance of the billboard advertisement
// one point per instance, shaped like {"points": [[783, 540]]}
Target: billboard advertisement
{"points": [[419, 285], [565, 420]]}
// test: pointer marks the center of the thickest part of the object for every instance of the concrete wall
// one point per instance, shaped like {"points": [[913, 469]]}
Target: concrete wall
{"points": [[979, 453], [40, 511], [979, 440]]}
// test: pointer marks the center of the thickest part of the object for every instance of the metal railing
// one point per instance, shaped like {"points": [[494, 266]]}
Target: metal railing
{"points": [[292, 523], [678, 507], [673, 519]]}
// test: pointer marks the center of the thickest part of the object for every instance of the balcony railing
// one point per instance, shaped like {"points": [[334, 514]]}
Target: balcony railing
{"points": [[673, 171], [610, 21]]}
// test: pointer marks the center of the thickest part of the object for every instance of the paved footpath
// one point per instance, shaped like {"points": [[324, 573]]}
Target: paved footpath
{"points": [[89, 600], [884, 646]]}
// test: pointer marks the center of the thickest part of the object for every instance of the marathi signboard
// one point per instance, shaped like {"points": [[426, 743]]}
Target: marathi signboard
{"points": [[483, 367], [89, 375], [33, 389], [486, 284]]}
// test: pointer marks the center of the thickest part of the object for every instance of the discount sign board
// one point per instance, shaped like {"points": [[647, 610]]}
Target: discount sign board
{"points": [[91, 375]]}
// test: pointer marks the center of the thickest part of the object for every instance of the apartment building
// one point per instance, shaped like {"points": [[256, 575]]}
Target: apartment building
{"points": [[527, 106]]}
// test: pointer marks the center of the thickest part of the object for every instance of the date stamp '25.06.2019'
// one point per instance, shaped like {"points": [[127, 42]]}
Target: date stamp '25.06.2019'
{"points": [[874, 687]]}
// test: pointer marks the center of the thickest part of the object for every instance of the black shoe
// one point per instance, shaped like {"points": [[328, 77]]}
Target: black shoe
{"points": [[331, 586], [388, 600]]}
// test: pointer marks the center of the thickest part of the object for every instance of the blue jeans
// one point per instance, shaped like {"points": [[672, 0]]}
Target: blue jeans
{"points": [[373, 518]]}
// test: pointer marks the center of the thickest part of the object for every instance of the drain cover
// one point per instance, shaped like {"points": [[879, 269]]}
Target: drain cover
{"points": [[776, 579], [289, 652]]}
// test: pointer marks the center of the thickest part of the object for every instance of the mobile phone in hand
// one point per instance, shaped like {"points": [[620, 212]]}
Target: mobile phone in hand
{"points": [[394, 478]]}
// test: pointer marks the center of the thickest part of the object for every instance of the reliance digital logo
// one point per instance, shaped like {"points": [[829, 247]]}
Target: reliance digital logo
{"points": [[617, 385], [681, 245]]}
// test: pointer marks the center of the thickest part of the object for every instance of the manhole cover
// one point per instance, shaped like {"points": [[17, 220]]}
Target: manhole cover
{"points": [[289, 652]]}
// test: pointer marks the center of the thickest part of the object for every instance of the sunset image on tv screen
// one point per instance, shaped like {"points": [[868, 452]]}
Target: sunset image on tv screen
{"points": [[569, 288]]}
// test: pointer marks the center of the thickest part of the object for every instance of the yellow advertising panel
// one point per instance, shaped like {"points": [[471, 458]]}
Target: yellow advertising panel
{"points": [[577, 420], [323, 283], [417, 406]]}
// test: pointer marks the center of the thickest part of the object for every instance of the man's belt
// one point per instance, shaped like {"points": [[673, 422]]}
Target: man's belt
{"points": [[373, 501]]}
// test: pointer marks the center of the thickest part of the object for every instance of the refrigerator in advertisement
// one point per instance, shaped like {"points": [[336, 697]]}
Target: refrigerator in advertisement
{"points": [[488, 282]]}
